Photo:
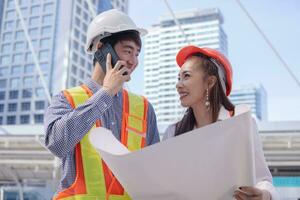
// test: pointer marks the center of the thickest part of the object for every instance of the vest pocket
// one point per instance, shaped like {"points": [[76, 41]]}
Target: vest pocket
{"points": [[136, 125]]}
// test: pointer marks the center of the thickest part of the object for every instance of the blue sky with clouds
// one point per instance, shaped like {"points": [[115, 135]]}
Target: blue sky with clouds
{"points": [[253, 61]]}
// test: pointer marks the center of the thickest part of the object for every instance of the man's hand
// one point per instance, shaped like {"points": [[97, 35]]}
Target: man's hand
{"points": [[251, 193], [114, 78]]}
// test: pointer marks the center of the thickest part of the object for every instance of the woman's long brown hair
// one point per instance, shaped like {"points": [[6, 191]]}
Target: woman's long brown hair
{"points": [[217, 97]]}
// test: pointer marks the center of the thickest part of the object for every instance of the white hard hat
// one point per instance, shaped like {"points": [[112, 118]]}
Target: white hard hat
{"points": [[106, 23]]}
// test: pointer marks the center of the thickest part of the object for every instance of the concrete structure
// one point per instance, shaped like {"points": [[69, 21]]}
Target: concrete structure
{"points": [[281, 144], [253, 95], [203, 28], [24, 162]]}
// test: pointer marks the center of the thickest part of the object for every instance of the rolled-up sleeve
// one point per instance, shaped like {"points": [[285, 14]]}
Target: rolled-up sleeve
{"points": [[65, 126]]}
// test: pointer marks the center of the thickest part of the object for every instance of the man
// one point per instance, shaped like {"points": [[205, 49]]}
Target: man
{"points": [[101, 101]]}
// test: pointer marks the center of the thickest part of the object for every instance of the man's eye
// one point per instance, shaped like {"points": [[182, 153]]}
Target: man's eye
{"points": [[186, 75]]}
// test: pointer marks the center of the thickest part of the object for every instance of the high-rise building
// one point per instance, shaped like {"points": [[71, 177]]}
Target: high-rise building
{"points": [[57, 31], [253, 95], [120, 5], [202, 28]]}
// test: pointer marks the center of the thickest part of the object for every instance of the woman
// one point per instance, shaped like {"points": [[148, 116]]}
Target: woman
{"points": [[204, 82]]}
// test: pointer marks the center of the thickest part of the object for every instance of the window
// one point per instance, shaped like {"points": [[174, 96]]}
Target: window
{"points": [[81, 74], [17, 58], [23, 2], [48, 7], [43, 55], [15, 83], [39, 105], [20, 35], [39, 79], [76, 45], [5, 48], [84, 27], [44, 43], [16, 70], [47, 19], [46, 31], [77, 21], [19, 46], [3, 71], [33, 32], [29, 57], [44, 66], [24, 12], [8, 25], [39, 92], [74, 69], [38, 118], [2, 95], [85, 16], [28, 81], [10, 14], [29, 69], [34, 21], [1, 108], [35, 10], [27, 93], [24, 119], [78, 10], [11, 120], [25, 106], [13, 94], [1, 120], [10, 3], [82, 62], [83, 38], [5, 60], [7, 36], [82, 49], [12, 107], [34, 44], [86, 6], [3, 83], [75, 57], [73, 81], [76, 33]]}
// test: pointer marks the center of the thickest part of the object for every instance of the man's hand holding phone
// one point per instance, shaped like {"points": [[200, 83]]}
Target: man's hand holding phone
{"points": [[115, 76]]}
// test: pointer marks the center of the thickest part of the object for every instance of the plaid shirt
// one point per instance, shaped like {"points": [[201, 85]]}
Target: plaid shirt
{"points": [[65, 126]]}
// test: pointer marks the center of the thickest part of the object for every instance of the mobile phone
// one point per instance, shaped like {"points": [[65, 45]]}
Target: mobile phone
{"points": [[101, 54]]}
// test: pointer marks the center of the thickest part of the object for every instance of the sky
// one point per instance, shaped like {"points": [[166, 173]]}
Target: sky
{"points": [[252, 60]]}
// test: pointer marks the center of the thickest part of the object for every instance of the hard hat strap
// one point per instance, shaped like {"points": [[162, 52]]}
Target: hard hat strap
{"points": [[221, 74]]}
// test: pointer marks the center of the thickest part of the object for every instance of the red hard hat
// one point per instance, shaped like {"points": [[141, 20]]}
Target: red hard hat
{"points": [[187, 51]]}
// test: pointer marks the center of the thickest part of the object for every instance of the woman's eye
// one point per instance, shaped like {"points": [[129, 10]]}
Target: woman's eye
{"points": [[186, 75]]}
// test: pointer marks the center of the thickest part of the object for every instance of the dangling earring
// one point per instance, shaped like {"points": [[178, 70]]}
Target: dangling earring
{"points": [[207, 103]]}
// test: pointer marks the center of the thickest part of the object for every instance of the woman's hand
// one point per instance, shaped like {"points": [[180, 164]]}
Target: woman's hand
{"points": [[251, 193]]}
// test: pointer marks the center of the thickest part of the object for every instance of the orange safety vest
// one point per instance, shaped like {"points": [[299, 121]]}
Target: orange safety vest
{"points": [[94, 180]]}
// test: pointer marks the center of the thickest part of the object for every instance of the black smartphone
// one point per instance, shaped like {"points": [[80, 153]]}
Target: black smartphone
{"points": [[101, 54]]}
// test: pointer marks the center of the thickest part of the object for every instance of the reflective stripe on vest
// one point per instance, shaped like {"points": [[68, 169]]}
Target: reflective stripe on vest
{"points": [[94, 180]]}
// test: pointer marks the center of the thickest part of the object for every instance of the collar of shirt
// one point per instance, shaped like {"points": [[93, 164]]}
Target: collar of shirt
{"points": [[94, 86], [223, 114], [239, 109]]}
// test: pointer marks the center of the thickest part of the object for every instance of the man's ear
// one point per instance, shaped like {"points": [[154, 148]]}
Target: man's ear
{"points": [[99, 45], [212, 80]]}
